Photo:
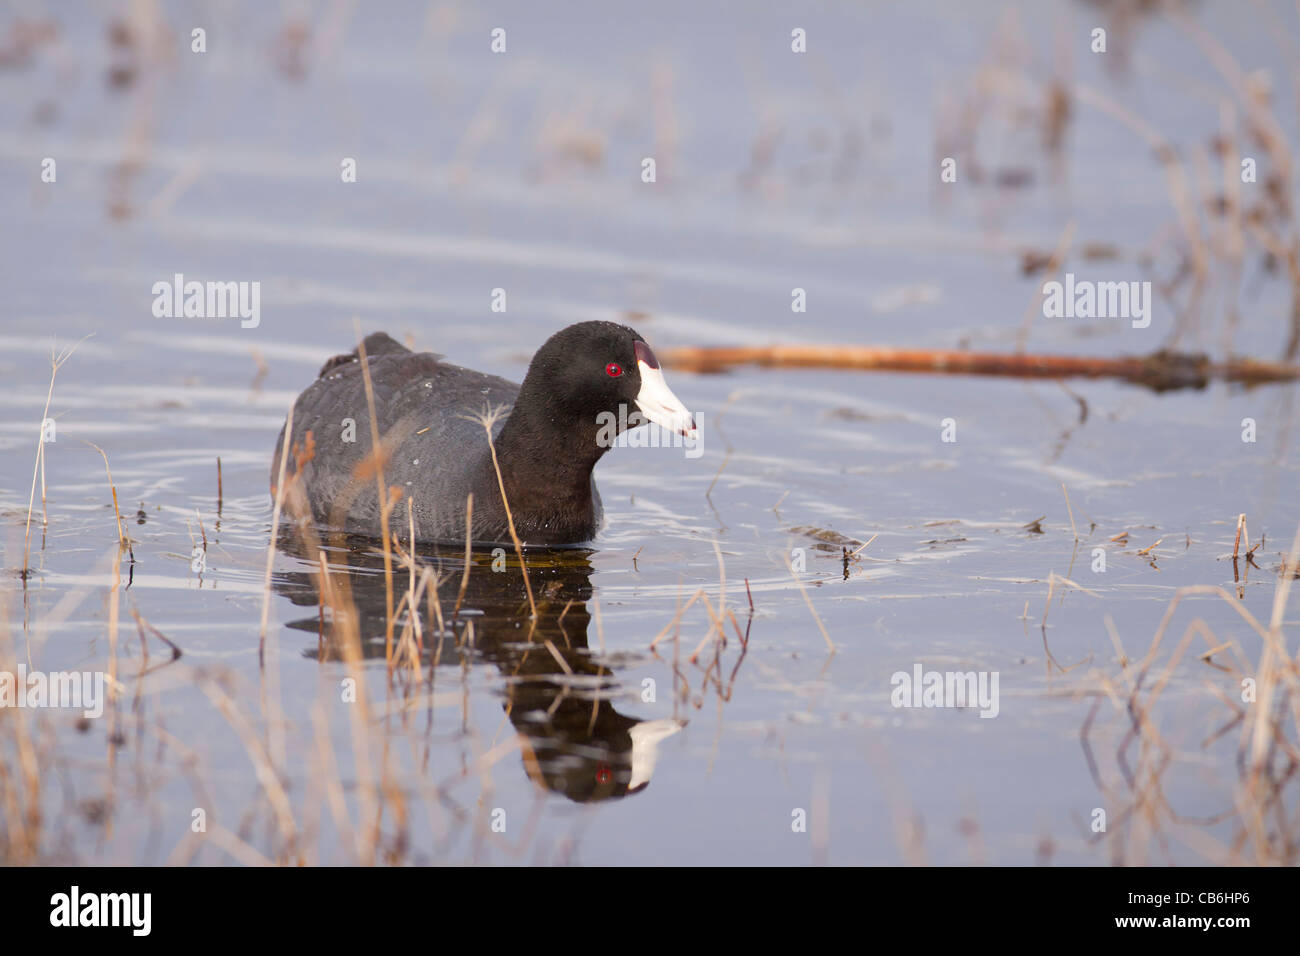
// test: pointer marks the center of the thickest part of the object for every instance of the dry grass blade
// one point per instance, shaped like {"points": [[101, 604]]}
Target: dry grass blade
{"points": [[38, 467], [469, 549], [122, 539], [489, 418], [383, 498]]}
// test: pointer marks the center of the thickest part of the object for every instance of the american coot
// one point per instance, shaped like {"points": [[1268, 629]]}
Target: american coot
{"points": [[584, 378]]}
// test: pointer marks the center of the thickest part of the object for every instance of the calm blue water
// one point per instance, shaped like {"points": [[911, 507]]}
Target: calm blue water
{"points": [[522, 171]]}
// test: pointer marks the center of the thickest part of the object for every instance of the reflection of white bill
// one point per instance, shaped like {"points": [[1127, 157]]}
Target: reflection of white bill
{"points": [[645, 748]]}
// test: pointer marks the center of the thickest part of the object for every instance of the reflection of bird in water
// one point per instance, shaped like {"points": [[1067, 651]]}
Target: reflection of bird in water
{"points": [[574, 741]]}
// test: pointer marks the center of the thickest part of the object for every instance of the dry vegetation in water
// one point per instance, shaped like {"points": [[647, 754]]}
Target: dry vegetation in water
{"points": [[1010, 125], [358, 806], [355, 807]]}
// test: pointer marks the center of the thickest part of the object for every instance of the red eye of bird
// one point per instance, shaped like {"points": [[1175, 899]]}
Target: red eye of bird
{"points": [[613, 370]]}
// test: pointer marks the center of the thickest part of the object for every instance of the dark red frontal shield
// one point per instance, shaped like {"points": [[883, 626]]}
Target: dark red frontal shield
{"points": [[645, 354]]}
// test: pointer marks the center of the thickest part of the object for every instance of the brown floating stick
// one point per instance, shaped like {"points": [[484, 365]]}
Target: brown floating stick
{"points": [[1160, 371]]}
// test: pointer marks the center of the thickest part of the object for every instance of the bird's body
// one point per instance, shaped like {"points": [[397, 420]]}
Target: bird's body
{"points": [[436, 452]]}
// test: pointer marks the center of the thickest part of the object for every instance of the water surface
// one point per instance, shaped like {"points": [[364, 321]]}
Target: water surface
{"points": [[521, 171]]}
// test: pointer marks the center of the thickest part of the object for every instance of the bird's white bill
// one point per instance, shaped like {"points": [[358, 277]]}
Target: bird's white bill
{"points": [[658, 403]]}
